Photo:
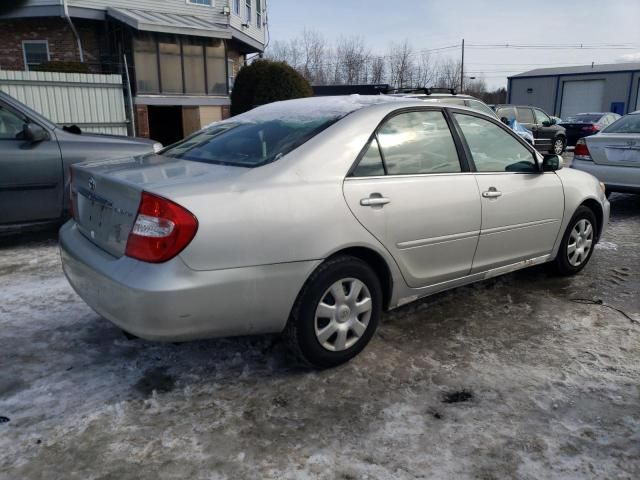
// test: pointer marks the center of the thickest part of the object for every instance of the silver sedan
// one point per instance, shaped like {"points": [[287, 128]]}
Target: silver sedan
{"points": [[310, 217], [613, 155]]}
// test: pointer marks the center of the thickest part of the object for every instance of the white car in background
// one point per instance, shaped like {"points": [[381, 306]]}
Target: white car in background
{"points": [[613, 155]]}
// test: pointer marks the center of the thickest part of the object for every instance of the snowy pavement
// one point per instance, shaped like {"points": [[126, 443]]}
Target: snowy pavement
{"points": [[509, 378]]}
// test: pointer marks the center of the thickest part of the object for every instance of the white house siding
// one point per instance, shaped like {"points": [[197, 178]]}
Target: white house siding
{"points": [[178, 7], [236, 21], [93, 102]]}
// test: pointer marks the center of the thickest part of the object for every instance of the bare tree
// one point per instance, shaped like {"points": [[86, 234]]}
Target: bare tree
{"points": [[376, 69], [289, 52], [476, 87], [449, 73], [314, 53], [351, 61], [400, 64], [424, 71]]}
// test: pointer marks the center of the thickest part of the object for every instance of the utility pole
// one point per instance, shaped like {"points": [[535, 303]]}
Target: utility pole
{"points": [[462, 69]]}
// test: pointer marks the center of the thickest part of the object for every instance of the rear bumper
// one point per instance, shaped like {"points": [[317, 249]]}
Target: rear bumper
{"points": [[171, 302], [617, 179]]}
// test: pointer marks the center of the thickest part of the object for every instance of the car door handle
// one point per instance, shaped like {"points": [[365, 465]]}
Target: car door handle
{"points": [[375, 200], [492, 193]]}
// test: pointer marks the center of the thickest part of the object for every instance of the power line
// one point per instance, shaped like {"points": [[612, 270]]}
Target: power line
{"points": [[581, 46]]}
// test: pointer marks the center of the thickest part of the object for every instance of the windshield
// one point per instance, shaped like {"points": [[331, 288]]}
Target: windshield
{"points": [[627, 124], [248, 144], [583, 118]]}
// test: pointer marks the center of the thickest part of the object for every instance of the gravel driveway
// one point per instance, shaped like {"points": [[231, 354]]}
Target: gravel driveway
{"points": [[510, 378]]}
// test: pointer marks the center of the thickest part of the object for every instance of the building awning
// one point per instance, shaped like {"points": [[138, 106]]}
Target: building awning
{"points": [[164, 22]]}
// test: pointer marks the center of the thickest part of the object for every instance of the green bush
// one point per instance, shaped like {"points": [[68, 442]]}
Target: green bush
{"points": [[65, 67], [266, 81]]}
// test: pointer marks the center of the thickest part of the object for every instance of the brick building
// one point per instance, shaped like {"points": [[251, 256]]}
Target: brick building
{"points": [[182, 54]]}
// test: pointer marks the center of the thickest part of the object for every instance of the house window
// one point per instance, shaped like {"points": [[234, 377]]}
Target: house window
{"points": [[35, 52], [248, 11], [231, 72], [236, 7], [170, 65], [206, 3], [193, 59], [259, 13], [181, 65], [216, 68], [145, 59]]}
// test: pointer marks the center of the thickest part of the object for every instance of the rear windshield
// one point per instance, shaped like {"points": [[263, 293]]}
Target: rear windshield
{"points": [[583, 119], [626, 124], [248, 144]]}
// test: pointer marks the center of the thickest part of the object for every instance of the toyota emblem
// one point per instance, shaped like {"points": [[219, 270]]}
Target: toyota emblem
{"points": [[92, 184]]}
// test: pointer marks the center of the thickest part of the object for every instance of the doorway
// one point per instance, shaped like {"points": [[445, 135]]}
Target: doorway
{"points": [[165, 124]]}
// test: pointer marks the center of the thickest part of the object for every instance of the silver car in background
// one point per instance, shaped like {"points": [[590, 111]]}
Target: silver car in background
{"points": [[310, 217], [613, 155]]}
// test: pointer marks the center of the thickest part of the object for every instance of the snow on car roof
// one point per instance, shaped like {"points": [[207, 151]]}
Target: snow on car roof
{"points": [[313, 108]]}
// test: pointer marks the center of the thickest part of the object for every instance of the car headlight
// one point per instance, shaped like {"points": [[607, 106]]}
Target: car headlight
{"points": [[157, 147]]}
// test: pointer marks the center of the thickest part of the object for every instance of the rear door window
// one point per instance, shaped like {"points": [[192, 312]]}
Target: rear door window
{"points": [[525, 115], [418, 143]]}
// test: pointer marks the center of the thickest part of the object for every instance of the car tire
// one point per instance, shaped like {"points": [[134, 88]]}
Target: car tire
{"points": [[578, 243], [559, 146], [325, 330]]}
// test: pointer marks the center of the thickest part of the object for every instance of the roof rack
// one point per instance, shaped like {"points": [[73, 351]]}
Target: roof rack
{"points": [[426, 91]]}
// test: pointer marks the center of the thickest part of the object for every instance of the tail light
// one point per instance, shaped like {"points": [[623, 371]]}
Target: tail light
{"points": [[72, 200], [581, 151], [161, 231], [591, 128]]}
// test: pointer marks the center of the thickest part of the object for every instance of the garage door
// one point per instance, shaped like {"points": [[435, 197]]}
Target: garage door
{"points": [[582, 96]]}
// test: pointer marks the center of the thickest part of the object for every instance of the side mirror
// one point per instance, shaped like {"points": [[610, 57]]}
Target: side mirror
{"points": [[551, 163], [35, 133], [505, 120], [547, 123]]}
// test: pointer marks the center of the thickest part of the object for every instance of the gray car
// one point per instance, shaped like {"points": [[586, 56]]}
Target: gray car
{"points": [[613, 155], [312, 216], [35, 155]]}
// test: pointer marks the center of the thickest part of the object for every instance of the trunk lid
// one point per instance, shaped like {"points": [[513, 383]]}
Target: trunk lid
{"points": [[619, 149], [106, 194]]}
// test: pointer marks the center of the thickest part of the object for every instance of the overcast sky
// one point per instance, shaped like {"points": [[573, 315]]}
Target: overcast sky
{"points": [[437, 23]]}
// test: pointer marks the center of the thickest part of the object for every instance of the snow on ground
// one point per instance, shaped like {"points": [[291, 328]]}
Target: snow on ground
{"points": [[550, 387]]}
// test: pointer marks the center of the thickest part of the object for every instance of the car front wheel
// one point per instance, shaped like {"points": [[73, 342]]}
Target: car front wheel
{"points": [[336, 313], [578, 243], [559, 144]]}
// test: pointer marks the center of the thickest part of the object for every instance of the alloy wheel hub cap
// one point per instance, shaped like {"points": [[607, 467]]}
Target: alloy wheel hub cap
{"points": [[343, 314], [580, 242]]}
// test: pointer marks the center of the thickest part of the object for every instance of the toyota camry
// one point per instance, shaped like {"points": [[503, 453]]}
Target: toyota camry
{"points": [[311, 217]]}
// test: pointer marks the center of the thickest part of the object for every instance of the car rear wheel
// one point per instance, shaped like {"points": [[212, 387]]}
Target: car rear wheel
{"points": [[559, 144], [336, 313], [578, 243]]}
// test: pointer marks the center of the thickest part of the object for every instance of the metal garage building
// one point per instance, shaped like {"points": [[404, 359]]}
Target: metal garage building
{"points": [[568, 90]]}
